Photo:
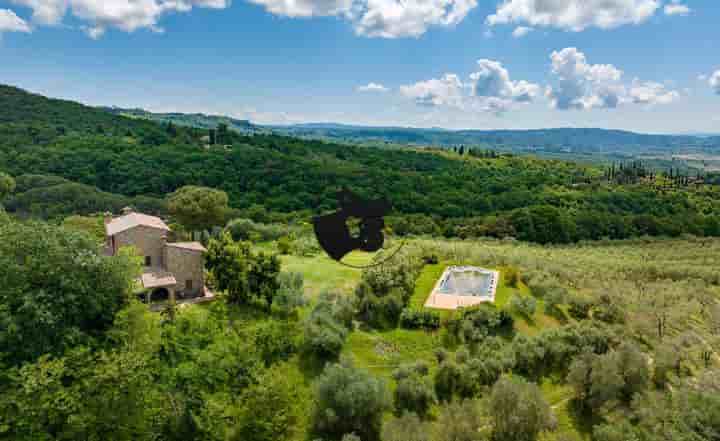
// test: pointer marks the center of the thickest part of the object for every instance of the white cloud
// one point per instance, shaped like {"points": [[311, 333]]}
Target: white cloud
{"points": [[714, 81], [574, 15], [492, 80], [521, 31], [676, 8], [490, 89], [406, 18], [305, 8], [126, 15], [372, 87], [584, 86], [46, 12], [650, 93], [446, 91], [9, 22]]}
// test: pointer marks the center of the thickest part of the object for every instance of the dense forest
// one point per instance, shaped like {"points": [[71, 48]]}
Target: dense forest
{"points": [[117, 160]]}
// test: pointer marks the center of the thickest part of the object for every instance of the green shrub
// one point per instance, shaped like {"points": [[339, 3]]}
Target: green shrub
{"points": [[524, 305], [511, 276], [419, 319]]}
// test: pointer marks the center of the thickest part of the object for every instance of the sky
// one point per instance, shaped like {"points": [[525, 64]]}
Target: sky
{"points": [[644, 65]]}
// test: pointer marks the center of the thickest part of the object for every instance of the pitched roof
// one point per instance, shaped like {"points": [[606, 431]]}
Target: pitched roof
{"points": [[133, 220], [194, 246]]}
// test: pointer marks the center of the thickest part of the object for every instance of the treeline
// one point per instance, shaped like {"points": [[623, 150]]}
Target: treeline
{"points": [[271, 178]]}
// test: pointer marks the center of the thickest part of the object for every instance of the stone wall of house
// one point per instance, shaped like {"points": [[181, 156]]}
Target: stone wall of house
{"points": [[148, 242], [186, 265]]}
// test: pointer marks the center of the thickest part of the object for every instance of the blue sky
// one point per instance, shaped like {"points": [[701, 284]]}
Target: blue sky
{"points": [[645, 65]]}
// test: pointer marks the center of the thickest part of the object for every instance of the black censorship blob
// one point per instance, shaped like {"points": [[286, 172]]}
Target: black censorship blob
{"points": [[333, 233]]}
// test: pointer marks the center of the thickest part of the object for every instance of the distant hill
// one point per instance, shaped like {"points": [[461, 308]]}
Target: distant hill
{"points": [[111, 158], [568, 140], [198, 120]]}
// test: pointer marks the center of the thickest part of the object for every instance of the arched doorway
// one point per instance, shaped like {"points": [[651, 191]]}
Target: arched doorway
{"points": [[159, 295]]}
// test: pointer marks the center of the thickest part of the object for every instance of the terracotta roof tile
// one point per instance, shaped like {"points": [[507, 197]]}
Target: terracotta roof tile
{"points": [[133, 220], [194, 246]]}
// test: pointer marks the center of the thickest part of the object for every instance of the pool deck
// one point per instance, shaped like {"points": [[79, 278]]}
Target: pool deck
{"points": [[439, 300]]}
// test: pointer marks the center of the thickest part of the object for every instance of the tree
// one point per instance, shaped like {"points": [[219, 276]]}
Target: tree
{"points": [[518, 410], [596, 378], [57, 291], [325, 330], [349, 400], [633, 367], [407, 427], [198, 208], [245, 276], [461, 421], [524, 305], [269, 409], [414, 394], [7, 185], [85, 395]]}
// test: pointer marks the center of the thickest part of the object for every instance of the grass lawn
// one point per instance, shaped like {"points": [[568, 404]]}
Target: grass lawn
{"points": [[381, 352], [321, 273]]}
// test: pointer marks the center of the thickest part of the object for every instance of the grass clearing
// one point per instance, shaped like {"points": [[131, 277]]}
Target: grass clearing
{"points": [[321, 273], [381, 352]]}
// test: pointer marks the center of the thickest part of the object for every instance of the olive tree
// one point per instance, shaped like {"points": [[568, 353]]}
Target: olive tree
{"points": [[198, 208]]}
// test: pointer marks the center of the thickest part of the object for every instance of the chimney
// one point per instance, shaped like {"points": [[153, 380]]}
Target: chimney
{"points": [[127, 210], [107, 217]]}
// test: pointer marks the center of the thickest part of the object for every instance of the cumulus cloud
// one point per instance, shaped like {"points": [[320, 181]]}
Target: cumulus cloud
{"points": [[676, 8], [9, 22], [583, 86], [651, 93], [446, 91], [372, 87], [521, 31], [574, 15], [406, 18], [714, 81], [489, 89], [305, 8], [100, 15], [492, 80]]}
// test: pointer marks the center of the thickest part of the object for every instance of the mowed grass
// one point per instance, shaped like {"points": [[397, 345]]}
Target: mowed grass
{"points": [[321, 273], [381, 352]]}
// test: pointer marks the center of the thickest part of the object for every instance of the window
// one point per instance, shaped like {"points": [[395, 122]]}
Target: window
{"points": [[148, 261], [188, 284]]}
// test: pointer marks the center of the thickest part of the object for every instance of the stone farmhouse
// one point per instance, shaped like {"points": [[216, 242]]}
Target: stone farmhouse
{"points": [[172, 270]]}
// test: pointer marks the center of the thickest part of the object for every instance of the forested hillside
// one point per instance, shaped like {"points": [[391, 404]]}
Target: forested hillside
{"points": [[271, 177]]}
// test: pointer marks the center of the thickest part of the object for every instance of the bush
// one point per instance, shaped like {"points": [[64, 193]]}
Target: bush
{"points": [[338, 412], [284, 245], [511, 276], [246, 229], [430, 259], [473, 325], [290, 295], [524, 305], [414, 394], [518, 410], [579, 306], [419, 319], [554, 297], [328, 326]]}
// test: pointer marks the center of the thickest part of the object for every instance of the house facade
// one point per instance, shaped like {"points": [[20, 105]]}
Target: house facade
{"points": [[170, 269]]}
